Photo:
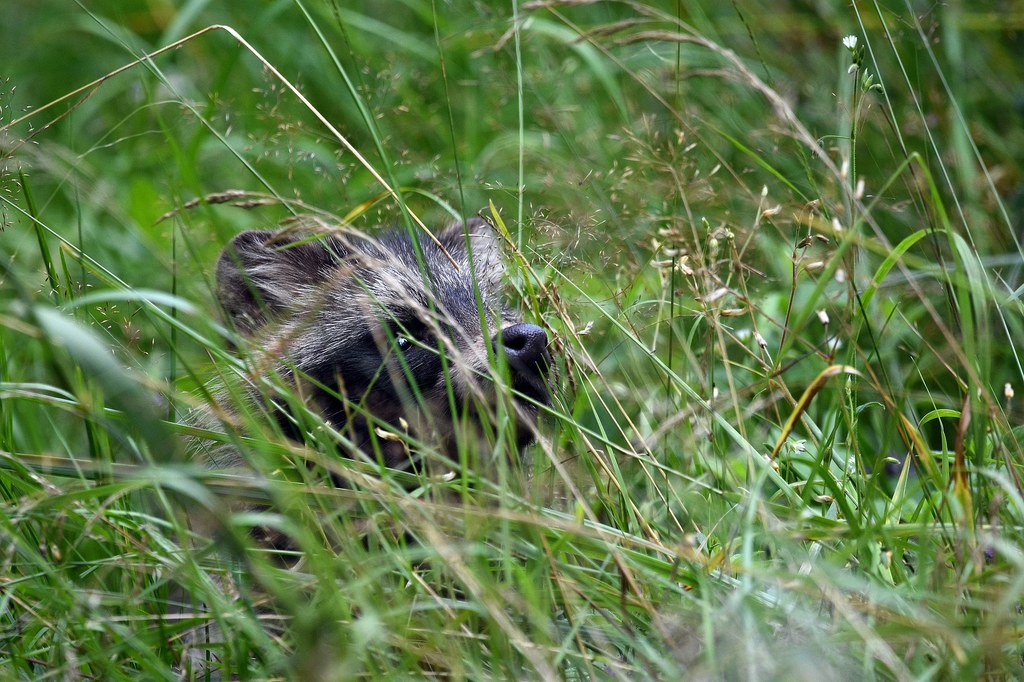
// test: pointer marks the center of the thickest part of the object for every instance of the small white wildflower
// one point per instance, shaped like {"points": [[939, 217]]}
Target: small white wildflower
{"points": [[850, 42], [844, 170], [840, 275], [1008, 391], [823, 317], [858, 193], [774, 210], [836, 225], [764, 190]]}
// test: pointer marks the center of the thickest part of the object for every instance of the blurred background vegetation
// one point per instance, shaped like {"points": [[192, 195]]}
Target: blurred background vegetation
{"points": [[775, 267]]}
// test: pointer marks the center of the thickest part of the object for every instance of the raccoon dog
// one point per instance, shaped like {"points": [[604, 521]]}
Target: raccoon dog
{"points": [[381, 334]]}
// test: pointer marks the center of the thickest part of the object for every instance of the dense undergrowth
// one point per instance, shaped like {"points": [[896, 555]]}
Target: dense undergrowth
{"points": [[778, 250]]}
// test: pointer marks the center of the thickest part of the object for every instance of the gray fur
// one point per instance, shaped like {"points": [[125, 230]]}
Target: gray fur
{"points": [[320, 306], [326, 305]]}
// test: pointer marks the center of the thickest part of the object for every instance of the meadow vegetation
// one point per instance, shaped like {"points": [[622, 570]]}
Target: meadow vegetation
{"points": [[777, 246]]}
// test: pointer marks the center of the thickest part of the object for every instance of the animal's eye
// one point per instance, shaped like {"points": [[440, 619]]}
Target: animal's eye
{"points": [[409, 333]]}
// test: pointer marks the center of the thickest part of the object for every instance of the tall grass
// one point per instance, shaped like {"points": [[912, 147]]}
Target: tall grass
{"points": [[783, 278]]}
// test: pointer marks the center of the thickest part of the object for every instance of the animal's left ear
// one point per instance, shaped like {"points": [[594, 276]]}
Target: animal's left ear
{"points": [[485, 245]]}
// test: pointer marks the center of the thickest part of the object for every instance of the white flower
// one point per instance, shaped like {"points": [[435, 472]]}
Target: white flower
{"points": [[850, 42]]}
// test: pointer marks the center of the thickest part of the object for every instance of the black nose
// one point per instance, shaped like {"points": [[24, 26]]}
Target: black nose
{"points": [[525, 346], [526, 350]]}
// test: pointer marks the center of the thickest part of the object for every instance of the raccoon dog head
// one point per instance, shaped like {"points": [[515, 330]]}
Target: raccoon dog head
{"points": [[375, 333]]}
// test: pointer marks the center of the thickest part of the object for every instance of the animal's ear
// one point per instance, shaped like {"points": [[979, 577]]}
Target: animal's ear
{"points": [[263, 275], [485, 245]]}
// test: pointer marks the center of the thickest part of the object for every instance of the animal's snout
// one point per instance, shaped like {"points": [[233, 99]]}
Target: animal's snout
{"points": [[525, 347]]}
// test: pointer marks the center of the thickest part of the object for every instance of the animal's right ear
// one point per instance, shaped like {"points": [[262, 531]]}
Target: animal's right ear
{"points": [[264, 275]]}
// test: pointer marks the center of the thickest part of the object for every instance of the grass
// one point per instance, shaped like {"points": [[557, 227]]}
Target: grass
{"points": [[785, 299]]}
